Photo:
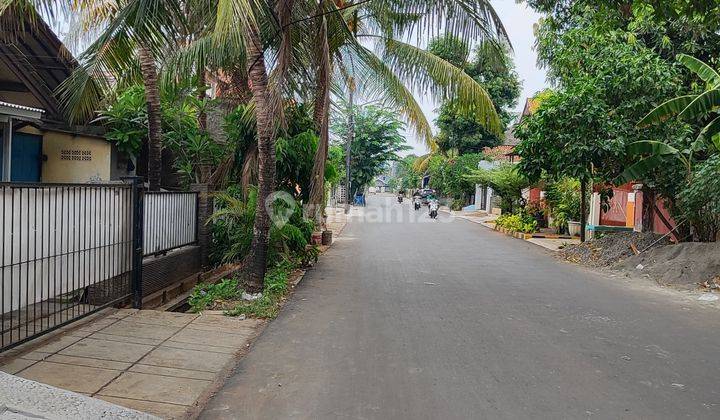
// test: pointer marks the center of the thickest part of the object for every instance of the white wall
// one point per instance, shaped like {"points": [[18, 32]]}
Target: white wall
{"points": [[59, 239]]}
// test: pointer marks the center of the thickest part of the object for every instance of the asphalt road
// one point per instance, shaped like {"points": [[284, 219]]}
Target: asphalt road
{"points": [[415, 319]]}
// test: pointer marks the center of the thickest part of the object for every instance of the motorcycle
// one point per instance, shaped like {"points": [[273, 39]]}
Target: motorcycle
{"points": [[417, 204], [400, 199], [433, 206]]}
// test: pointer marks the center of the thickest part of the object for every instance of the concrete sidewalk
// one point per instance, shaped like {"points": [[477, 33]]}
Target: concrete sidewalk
{"points": [[553, 244], [161, 363]]}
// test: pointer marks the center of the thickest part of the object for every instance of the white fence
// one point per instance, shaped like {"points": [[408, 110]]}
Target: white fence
{"points": [[170, 221]]}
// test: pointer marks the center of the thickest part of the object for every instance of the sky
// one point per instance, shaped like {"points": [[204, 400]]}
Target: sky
{"points": [[518, 20]]}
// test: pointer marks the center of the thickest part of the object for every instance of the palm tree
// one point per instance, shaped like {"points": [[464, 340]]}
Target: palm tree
{"points": [[132, 35], [256, 262], [152, 98], [394, 67]]}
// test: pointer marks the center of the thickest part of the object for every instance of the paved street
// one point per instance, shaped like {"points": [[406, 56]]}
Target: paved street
{"points": [[419, 319]]}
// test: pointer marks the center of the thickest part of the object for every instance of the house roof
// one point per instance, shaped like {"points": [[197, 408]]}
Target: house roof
{"points": [[33, 63], [531, 105], [510, 139]]}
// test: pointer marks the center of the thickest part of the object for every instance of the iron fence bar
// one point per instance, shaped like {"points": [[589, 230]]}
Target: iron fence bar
{"points": [[138, 216], [66, 322], [54, 232]]}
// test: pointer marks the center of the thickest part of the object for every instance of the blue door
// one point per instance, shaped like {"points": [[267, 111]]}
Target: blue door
{"points": [[26, 158]]}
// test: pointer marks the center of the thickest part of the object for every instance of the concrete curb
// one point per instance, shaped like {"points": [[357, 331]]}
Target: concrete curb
{"points": [[26, 399]]}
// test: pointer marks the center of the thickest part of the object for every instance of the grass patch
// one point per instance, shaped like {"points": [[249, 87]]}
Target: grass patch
{"points": [[227, 295], [206, 295]]}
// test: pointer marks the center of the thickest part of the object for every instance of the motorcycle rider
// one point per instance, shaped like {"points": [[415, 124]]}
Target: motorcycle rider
{"points": [[433, 207]]}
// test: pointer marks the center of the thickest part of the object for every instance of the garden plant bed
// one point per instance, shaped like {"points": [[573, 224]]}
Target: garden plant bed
{"points": [[523, 235], [225, 298]]}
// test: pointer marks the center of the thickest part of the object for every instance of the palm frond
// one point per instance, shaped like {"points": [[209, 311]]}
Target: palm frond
{"points": [[378, 81], [710, 132], [640, 169], [424, 72]]}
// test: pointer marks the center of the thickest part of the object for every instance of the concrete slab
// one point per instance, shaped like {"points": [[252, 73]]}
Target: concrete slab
{"points": [[70, 377], [157, 362], [177, 319], [35, 355], [186, 359], [27, 399], [178, 373], [122, 339], [164, 389], [224, 322], [86, 361], [132, 328], [16, 365], [200, 346], [189, 335], [553, 244], [107, 350], [58, 344], [162, 410]]}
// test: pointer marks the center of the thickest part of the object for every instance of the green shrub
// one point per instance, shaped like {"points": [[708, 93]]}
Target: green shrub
{"points": [[699, 202], [563, 199], [232, 229], [457, 204], [517, 223]]}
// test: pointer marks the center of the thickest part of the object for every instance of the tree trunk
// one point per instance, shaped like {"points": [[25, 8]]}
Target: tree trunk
{"points": [[202, 95], [648, 209], [583, 209], [348, 145], [321, 116], [256, 262], [152, 97]]}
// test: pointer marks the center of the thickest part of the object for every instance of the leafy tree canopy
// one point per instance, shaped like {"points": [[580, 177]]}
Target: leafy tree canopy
{"points": [[377, 141], [496, 73], [606, 85], [448, 175]]}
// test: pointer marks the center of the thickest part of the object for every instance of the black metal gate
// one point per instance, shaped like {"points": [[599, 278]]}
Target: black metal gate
{"points": [[68, 250]]}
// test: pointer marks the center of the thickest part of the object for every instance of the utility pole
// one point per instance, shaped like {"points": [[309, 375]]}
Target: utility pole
{"points": [[349, 141]]}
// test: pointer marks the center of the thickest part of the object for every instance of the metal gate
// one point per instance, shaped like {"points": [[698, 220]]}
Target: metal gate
{"points": [[67, 251]]}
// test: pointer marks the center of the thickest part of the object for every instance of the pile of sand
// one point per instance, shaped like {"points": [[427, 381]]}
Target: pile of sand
{"points": [[684, 264], [611, 248]]}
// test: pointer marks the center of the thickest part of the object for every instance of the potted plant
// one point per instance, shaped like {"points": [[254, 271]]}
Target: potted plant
{"points": [[564, 198]]}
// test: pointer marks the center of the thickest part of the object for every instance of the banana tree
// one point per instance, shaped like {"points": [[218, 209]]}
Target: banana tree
{"points": [[703, 106], [700, 107]]}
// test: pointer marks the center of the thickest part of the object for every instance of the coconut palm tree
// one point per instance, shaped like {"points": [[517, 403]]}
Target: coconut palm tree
{"points": [[394, 67], [131, 34], [235, 30]]}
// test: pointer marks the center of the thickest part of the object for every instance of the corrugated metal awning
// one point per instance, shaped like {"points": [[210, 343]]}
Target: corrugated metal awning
{"points": [[20, 111]]}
